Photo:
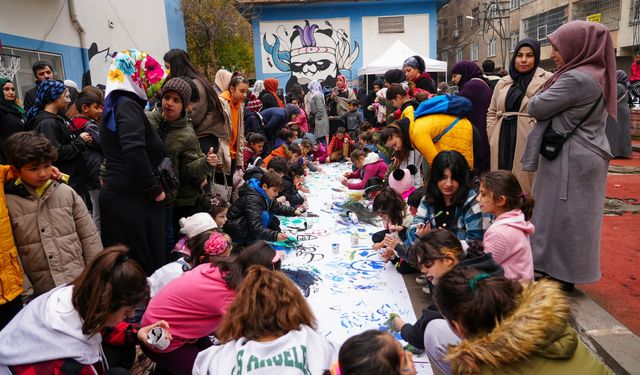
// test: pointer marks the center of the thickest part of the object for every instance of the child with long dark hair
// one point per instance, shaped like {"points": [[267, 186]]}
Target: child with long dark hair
{"points": [[373, 353], [508, 236], [510, 328], [269, 319], [65, 323]]}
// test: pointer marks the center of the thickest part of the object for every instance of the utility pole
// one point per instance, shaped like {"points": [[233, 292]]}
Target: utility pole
{"points": [[492, 23]]}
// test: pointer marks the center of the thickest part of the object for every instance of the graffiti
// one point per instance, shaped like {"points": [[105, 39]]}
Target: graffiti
{"points": [[317, 49], [99, 63], [310, 252]]}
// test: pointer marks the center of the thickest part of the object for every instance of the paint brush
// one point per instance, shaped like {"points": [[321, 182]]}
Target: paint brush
{"points": [[432, 220]]}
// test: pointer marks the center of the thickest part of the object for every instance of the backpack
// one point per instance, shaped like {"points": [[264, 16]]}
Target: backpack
{"points": [[454, 105]]}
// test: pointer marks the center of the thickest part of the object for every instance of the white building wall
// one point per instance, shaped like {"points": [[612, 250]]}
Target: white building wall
{"points": [[415, 36]]}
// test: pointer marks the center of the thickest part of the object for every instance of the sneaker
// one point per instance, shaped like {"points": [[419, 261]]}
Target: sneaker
{"points": [[426, 290], [421, 280]]}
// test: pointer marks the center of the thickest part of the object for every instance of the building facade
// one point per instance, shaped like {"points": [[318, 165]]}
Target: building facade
{"points": [[480, 30], [78, 37], [299, 41]]}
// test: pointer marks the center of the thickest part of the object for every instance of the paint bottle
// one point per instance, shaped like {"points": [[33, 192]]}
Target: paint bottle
{"points": [[353, 217], [354, 239]]}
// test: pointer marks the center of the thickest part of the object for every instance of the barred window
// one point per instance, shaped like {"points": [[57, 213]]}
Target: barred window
{"points": [[606, 12], [491, 47], [515, 38], [475, 51], [541, 25]]}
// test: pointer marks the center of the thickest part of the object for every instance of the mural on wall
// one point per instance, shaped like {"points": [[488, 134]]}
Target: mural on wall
{"points": [[99, 63], [308, 50]]}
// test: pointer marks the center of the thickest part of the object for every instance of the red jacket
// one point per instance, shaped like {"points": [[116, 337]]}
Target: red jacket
{"points": [[635, 72], [336, 144]]}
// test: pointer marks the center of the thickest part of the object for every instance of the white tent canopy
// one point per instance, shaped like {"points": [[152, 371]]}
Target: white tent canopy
{"points": [[395, 56]]}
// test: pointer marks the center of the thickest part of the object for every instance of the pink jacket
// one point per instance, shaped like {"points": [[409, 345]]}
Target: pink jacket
{"points": [[321, 154], [193, 305], [302, 121], [373, 167], [507, 239]]}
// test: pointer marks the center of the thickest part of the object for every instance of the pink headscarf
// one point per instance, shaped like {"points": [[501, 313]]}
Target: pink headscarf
{"points": [[587, 46], [341, 82]]}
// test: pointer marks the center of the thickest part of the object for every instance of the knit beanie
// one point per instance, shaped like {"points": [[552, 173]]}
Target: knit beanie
{"points": [[180, 86], [195, 224], [415, 62], [400, 180]]}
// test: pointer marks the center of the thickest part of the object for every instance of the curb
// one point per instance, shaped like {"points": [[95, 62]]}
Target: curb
{"points": [[614, 343]]}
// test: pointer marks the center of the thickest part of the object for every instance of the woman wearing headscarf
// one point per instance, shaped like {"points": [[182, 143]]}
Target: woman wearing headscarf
{"points": [[340, 97], [318, 111], [269, 96], [414, 69], [468, 76], [206, 112], [569, 189], [12, 115], [253, 102], [221, 81], [618, 130], [276, 118], [131, 200], [508, 123]]}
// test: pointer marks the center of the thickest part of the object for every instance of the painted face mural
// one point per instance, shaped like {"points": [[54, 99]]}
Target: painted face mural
{"points": [[308, 52]]}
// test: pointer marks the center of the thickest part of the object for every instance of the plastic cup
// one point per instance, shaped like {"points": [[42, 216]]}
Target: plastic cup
{"points": [[335, 248], [158, 338]]}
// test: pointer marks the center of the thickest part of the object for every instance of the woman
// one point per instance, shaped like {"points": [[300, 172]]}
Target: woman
{"points": [[66, 323], [569, 189], [270, 97], [268, 318], [206, 113], [508, 123], [468, 76], [619, 130], [414, 69], [451, 202], [131, 200], [195, 303], [510, 328], [221, 81], [12, 115], [318, 111], [253, 100], [276, 118], [340, 97]]}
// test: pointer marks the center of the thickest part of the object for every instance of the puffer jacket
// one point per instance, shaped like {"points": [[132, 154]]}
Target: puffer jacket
{"points": [[425, 129], [251, 216], [183, 148], [54, 233], [372, 167], [536, 338], [11, 276]]}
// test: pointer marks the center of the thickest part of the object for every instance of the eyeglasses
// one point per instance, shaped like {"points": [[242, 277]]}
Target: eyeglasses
{"points": [[429, 262]]}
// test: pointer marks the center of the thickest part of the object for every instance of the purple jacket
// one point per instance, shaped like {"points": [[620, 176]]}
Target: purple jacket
{"points": [[373, 167]]}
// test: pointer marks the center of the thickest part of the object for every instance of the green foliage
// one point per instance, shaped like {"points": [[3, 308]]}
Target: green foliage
{"points": [[235, 53]]}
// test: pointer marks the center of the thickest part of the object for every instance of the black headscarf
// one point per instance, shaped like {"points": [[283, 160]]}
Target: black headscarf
{"points": [[521, 80]]}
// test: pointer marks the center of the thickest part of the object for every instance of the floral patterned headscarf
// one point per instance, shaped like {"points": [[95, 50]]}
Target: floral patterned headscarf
{"points": [[135, 72]]}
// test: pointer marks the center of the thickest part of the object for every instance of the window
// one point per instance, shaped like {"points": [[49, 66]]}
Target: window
{"points": [[459, 21], [459, 55], [541, 25], [475, 51], [634, 15], [542, 32], [515, 37], [445, 57], [515, 4], [606, 12], [491, 47], [444, 29], [390, 25], [475, 13], [24, 80]]}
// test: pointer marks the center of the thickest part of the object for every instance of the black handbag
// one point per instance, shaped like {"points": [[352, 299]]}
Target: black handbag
{"points": [[553, 140], [168, 178]]}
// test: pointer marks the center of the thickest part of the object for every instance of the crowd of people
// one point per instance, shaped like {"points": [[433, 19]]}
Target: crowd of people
{"points": [[147, 210]]}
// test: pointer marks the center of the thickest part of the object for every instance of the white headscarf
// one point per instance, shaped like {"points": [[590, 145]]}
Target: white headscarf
{"points": [[258, 87], [315, 88]]}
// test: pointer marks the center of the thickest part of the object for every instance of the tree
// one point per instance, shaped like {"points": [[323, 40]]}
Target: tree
{"points": [[218, 35]]}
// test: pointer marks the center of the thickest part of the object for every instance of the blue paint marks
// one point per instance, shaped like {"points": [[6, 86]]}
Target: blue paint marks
{"points": [[303, 278], [367, 265], [363, 253]]}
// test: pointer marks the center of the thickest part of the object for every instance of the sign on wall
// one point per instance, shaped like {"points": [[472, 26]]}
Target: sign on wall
{"points": [[308, 49]]}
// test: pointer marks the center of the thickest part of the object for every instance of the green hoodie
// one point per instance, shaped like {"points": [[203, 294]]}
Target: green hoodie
{"points": [[182, 147]]}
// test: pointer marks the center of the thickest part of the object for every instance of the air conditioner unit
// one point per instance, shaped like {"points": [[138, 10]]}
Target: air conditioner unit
{"points": [[456, 34]]}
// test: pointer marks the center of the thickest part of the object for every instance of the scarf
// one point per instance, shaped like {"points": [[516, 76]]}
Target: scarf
{"points": [[587, 47], [521, 81], [468, 70], [290, 110], [11, 105], [132, 73], [258, 87], [271, 86], [222, 79], [341, 83], [315, 88], [48, 91]]}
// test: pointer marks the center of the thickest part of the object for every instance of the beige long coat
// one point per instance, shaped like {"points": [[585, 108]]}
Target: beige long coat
{"points": [[496, 114]]}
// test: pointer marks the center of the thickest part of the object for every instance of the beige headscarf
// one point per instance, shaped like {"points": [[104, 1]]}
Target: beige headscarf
{"points": [[222, 80]]}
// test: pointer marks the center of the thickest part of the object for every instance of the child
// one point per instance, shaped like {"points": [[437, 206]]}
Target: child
{"points": [[510, 328], [435, 254], [401, 181], [65, 323], [253, 148], [195, 303], [508, 236], [252, 216], [340, 146], [218, 210], [277, 164], [301, 119], [353, 118], [55, 236], [268, 319], [291, 152], [413, 201], [290, 184], [397, 96], [318, 150], [373, 353], [89, 106], [285, 137], [369, 165], [295, 131]]}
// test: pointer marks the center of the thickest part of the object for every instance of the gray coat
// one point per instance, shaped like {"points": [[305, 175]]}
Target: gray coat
{"points": [[619, 132], [318, 110], [569, 190]]}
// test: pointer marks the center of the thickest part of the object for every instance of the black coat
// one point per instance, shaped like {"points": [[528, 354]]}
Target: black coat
{"points": [[244, 218], [268, 100], [70, 148], [10, 123], [290, 192], [30, 98], [426, 83]]}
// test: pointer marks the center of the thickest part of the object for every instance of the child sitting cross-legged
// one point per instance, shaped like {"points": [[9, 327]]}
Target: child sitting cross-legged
{"points": [[369, 165], [54, 233], [340, 146], [252, 216], [268, 322]]}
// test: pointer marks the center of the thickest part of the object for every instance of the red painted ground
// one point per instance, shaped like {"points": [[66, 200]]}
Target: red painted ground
{"points": [[619, 289]]}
